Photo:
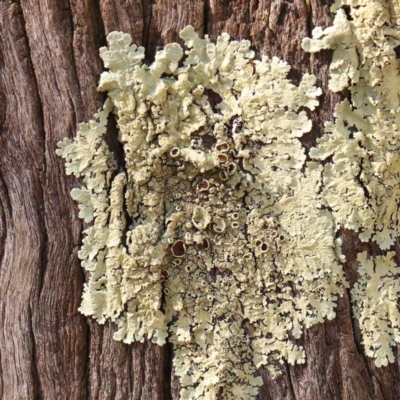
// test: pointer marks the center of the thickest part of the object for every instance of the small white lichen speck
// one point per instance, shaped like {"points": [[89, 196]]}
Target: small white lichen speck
{"points": [[362, 151], [212, 234]]}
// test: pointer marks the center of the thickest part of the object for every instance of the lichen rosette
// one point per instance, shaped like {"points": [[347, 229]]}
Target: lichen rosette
{"points": [[212, 231]]}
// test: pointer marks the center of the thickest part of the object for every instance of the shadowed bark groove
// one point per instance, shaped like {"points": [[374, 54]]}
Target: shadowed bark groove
{"points": [[49, 69]]}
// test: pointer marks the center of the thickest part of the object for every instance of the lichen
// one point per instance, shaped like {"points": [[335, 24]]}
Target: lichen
{"points": [[376, 297], [362, 175], [361, 151], [213, 232]]}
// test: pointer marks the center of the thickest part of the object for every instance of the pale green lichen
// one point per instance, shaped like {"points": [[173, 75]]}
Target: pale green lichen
{"points": [[212, 236], [361, 148], [362, 182], [376, 298]]}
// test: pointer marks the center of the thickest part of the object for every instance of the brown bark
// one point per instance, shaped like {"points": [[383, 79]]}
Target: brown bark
{"points": [[49, 68]]}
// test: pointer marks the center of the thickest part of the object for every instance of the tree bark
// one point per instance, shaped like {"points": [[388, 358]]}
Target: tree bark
{"points": [[49, 69]]}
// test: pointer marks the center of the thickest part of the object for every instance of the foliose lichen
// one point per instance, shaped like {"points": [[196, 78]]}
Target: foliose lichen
{"points": [[362, 175], [213, 233], [362, 153], [376, 298]]}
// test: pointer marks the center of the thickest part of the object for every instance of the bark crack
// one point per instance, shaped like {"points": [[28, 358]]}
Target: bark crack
{"points": [[86, 366], [5, 216], [206, 11], [290, 381]]}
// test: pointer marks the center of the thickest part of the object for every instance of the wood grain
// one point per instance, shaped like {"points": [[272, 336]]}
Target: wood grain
{"points": [[49, 69]]}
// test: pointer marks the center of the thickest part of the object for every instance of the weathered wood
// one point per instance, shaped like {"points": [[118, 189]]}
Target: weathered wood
{"points": [[49, 68]]}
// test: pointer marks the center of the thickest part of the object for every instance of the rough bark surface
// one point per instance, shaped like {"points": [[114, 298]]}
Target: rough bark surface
{"points": [[49, 68]]}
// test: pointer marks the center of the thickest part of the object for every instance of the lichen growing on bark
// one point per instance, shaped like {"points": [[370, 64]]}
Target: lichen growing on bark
{"points": [[213, 232], [361, 149], [376, 298], [362, 180]]}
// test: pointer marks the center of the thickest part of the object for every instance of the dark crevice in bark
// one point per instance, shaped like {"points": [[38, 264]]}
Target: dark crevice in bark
{"points": [[310, 23], [44, 253], [5, 216], [86, 360], [282, 13], [102, 39], [147, 30], [147, 18], [115, 146], [291, 386], [168, 356], [206, 16]]}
